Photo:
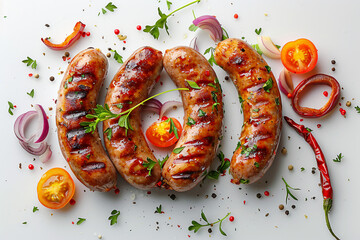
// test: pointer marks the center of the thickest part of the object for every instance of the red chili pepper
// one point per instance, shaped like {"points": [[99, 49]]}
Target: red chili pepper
{"points": [[318, 79], [327, 190], [70, 40]]}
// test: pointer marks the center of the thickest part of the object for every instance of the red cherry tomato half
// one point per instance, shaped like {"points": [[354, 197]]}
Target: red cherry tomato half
{"points": [[299, 56], [159, 132]]}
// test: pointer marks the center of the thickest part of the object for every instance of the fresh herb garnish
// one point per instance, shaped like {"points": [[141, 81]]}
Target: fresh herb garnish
{"points": [[238, 145], [158, 209], [168, 3], [35, 209], [30, 62], [103, 113], [288, 191], [24, 222], [212, 85], [31, 93], [178, 150], [190, 121], [172, 128], [268, 68], [150, 164], [211, 60], [196, 226], [114, 216], [338, 158], [221, 168], [241, 100], [277, 101], [81, 220], [110, 6], [162, 162], [88, 156], [302, 169], [193, 84], [256, 164], [357, 109], [268, 85], [309, 129], [11, 107], [244, 181], [193, 28], [108, 132], [225, 34], [215, 106], [161, 23], [117, 56], [248, 150], [257, 48], [258, 31], [256, 110], [201, 113], [278, 46]]}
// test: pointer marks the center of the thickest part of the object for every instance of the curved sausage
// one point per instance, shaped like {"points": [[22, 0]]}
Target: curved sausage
{"points": [[261, 104], [200, 137], [77, 97], [128, 149]]}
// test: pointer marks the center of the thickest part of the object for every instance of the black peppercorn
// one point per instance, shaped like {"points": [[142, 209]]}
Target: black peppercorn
{"points": [[258, 195], [287, 212]]}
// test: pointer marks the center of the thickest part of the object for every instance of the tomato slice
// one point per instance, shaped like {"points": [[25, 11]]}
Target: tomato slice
{"points": [[299, 56], [159, 132], [55, 188]]}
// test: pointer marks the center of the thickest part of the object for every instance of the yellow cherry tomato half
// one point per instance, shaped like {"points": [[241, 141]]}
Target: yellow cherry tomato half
{"points": [[55, 188]]}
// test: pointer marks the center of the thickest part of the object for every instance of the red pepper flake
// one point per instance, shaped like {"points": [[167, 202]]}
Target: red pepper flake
{"points": [[63, 58], [88, 34], [148, 192], [231, 218], [266, 193], [14, 106], [31, 167], [83, 34], [161, 83], [207, 73], [301, 120], [117, 31], [68, 159], [326, 93], [159, 183], [138, 27], [289, 95], [339, 104], [236, 16], [178, 226], [124, 41], [342, 111], [117, 191], [157, 79], [188, 235], [47, 117], [72, 223], [319, 125], [30, 74], [72, 202], [244, 202]]}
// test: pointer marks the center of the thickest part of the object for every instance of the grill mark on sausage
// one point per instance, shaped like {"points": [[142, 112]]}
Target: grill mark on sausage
{"points": [[136, 168], [75, 115], [83, 87], [187, 158], [187, 175], [93, 166], [77, 138], [75, 95], [203, 97], [205, 141]]}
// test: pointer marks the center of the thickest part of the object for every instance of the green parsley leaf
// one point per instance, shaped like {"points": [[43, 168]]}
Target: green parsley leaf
{"points": [[257, 48], [241, 100], [168, 3], [111, 7], [108, 133], [338, 158], [248, 150], [221, 168], [277, 101], [213, 175], [80, 221], [244, 181], [178, 150], [158, 209], [193, 84], [190, 121], [211, 60], [193, 28], [215, 106], [103, 11], [258, 31], [35, 209], [150, 164], [309, 129], [114, 216], [24, 222], [31, 93], [88, 156], [117, 56], [268, 85], [256, 164], [288, 191], [120, 105], [162, 162], [268, 68], [238, 146], [201, 113], [30, 62], [173, 128], [357, 109], [302, 169], [11, 107], [225, 34], [278, 46], [256, 110], [212, 85]]}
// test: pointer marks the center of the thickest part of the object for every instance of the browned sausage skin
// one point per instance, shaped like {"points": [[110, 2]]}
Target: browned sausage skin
{"points": [[184, 170], [77, 97], [128, 150], [262, 109]]}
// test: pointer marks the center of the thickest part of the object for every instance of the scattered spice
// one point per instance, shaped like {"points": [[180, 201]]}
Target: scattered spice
{"points": [[36, 76], [326, 94], [258, 195], [348, 103], [213, 195], [287, 212], [290, 167], [52, 78], [47, 25], [236, 16], [333, 69], [333, 61], [72, 201], [138, 27], [231, 218], [117, 31], [281, 207], [293, 206], [266, 193], [283, 150], [172, 196], [108, 55]]}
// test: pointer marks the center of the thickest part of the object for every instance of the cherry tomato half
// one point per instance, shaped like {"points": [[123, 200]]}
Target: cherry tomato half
{"points": [[55, 188], [299, 56], [159, 132]]}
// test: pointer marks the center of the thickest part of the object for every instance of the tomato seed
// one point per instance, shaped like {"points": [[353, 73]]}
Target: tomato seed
{"points": [[117, 191]]}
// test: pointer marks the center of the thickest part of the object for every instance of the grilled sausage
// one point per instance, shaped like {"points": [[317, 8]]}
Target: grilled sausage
{"points": [[203, 114], [128, 148], [77, 96], [261, 104]]}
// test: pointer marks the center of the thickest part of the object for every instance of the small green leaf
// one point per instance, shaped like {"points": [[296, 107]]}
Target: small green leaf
{"points": [[111, 7], [168, 3], [213, 175], [257, 48], [193, 28], [103, 11], [338, 158], [277, 101], [268, 85], [114, 216], [178, 150], [80, 221], [162, 162], [150, 164], [88, 156], [244, 181], [31, 93], [190, 121], [30, 62], [117, 56], [309, 129], [256, 164], [357, 108], [268, 68], [203, 216], [158, 209], [108, 133], [11, 107], [201, 113], [256, 110], [302, 169], [211, 60], [258, 31], [35, 209], [221, 231], [193, 84], [238, 145]]}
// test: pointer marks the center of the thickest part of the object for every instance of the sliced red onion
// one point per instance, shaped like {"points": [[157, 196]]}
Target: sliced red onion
{"points": [[168, 105], [44, 123], [193, 44], [268, 47], [285, 83], [210, 24], [21, 123], [154, 102], [46, 155], [152, 109]]}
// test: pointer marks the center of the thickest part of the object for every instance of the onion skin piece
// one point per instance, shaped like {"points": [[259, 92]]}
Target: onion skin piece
{"points": [[167, 106], [318, 79], [286, 84], [212, 25], [268, 48]]}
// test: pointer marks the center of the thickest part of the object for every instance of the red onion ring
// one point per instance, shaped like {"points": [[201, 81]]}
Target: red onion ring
{"points": [[46, 155], [211, 24], [193, 44], [285, 83], [154, 105], [45, 124], [168, 105]]}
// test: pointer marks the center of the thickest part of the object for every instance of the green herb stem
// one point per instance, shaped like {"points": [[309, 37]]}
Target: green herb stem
{"points": [[182, 7], [327, 206]]}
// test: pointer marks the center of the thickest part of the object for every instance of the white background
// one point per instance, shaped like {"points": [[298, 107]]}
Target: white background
{"points": [[331, 25]]}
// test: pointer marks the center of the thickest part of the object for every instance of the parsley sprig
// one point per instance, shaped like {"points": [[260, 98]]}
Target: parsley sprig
{"points": [[172, 128], [158, 209], [211, 60], [357, 108], [103, 113], [288, 191], [11, 107], [117, 56], [110, 6], [338, 158], [162, 162], [30, 62], [150, 164], [196, 226], [80, 221], [114, 216], [221, 168], [161, 23]]}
